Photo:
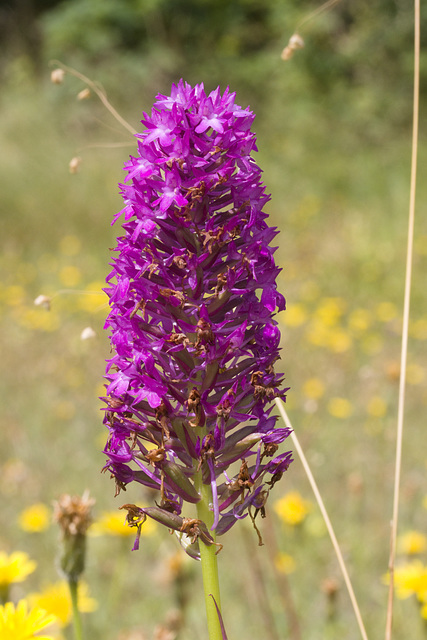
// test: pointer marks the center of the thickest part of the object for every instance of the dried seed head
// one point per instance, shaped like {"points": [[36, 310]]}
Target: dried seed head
{"points": [[330, 586], [57, 76], [295, 42], [43, 301], [355, 483], [74, 164], [87, 333], [132, 634], [162, 632], [84, 94], [73, 513]]}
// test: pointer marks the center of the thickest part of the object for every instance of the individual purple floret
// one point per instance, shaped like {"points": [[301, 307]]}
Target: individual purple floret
{"points": [[193, 296]]}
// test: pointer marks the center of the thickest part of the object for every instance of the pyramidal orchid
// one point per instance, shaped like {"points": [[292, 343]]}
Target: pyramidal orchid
{"points": [[191, 382]]}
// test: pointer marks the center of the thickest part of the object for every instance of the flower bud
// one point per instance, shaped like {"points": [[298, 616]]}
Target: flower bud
{"points": [[180, 483], [295, 42], [84, 94], [74, 164], [73, 514], [57, 76], [87, 333], [43, 301]]}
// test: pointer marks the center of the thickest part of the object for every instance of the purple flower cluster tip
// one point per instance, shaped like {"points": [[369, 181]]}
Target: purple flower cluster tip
{"points": [[193, 294]]}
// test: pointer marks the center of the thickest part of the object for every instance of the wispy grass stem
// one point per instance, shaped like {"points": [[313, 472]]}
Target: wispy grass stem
{"points": [[324, 513], [324, 7], [96, 88], [406, 308]]}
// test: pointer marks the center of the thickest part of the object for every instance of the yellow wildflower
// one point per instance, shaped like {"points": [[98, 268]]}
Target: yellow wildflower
{"points": [[292, 508], [70, 276], [386, 311], [412, 542], [313, 388], [93, 298], [35, 319], [15, 567], [359, 320], [340, 408], [56, 600], [35, 518], [409, 579], [20, 623], [418, 329], [113, 523], [322, 333], [317, 333], [415, 374], [14, 295], [295, 315], [285, 563], [339, 340], [330, 310], [377, 407]]}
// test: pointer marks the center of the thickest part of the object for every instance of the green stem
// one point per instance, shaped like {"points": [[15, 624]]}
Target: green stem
{"points": [[4, 594], [77, 621], [209, 561]]}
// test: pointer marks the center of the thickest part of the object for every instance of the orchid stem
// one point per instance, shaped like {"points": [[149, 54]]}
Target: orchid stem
{"points": [[209, 561], [77, 621]]}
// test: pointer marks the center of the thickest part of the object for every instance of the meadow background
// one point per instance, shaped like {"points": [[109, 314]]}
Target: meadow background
{"points": [[334, 129]]}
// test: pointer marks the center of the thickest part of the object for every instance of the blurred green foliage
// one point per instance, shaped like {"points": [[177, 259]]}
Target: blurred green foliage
{"points": [[362, 47]]}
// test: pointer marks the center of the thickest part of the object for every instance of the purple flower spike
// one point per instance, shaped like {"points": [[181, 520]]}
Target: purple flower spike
{"points": [[193, 296]]}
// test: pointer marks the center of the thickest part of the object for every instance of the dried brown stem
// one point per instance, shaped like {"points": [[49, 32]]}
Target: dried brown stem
{"points": [[406, 307], [325, 516]]}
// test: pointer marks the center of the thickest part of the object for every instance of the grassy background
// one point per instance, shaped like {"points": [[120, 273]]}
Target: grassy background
{"points": [[337, 164]]}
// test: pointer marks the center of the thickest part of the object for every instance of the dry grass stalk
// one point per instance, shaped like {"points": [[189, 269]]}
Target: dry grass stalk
{"points": [[406, 307], [325, 516]]}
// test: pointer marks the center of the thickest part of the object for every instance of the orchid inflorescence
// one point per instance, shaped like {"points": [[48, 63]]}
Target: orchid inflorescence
{"points": [[191, 383]]}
